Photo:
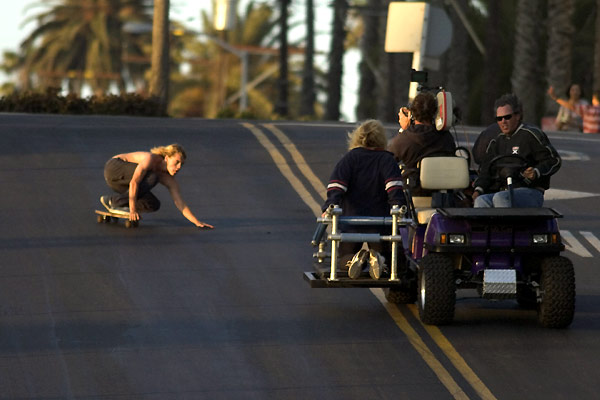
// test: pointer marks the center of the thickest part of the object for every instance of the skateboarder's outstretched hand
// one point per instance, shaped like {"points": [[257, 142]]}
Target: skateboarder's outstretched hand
{"points": [[204, 225]]}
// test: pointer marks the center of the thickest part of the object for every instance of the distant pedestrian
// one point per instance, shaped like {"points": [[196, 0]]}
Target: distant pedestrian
{"points": [[567, 119], [590, 113]]}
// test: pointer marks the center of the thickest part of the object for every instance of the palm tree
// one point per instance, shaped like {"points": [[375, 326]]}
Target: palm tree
{"points": [[456, 61], [81, 40], [336, 56], [498, 43], [214, 76], [560, 44], [307, 101], [281, 106], [369, 66], [596, 85], [159, 77], [527, 57]]}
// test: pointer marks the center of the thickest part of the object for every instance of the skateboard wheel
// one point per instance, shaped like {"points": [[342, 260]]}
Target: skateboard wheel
{"points": [[100, 219]]}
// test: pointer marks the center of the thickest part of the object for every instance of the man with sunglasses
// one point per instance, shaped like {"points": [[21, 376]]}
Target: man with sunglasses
{"points": [[529, 145]]}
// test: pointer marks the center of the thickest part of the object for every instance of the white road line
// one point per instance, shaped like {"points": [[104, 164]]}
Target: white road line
{"points": [[592, 239], [573, 245]]}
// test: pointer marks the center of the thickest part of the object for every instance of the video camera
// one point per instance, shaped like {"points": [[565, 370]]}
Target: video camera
{"points": [[445, 116]]}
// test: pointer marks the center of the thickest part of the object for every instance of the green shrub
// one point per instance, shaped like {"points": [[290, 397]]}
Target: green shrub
{"points": [[52, 102]]}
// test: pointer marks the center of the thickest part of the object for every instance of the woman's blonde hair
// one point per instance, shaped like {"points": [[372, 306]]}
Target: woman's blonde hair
{"points": [[370, 133], [169, 150]]}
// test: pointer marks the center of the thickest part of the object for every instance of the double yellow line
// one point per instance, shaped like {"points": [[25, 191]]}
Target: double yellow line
{"points": [[415, 340]]}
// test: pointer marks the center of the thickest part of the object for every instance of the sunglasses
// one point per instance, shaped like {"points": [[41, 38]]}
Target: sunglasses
{"points": [[506, 117]]}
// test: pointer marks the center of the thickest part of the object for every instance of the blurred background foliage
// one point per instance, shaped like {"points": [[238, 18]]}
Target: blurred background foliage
{"points": [[85, 50]]}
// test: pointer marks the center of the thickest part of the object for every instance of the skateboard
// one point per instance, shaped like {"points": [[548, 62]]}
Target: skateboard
{"points": [[107, 216]]}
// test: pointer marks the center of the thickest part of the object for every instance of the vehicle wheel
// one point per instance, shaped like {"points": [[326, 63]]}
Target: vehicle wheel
{"points": [[557, 284], [100, 219], [437, 289], [401, 295], [128, 224]]}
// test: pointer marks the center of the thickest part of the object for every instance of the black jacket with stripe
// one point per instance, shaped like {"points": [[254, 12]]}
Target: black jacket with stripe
{"points": [[528, 142], [365, 182]]}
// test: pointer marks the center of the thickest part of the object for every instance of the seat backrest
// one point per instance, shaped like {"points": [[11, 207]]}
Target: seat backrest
{"points": [[443, 173]]}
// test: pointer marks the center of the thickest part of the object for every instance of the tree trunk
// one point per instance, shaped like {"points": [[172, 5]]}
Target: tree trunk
{"points": [[457, 62], [336, 58], [281, 107], [525, 82], [369, 65], [596, 84], [560, 44], [491, 69], [159, 78], [395, 76], [307, 101]]}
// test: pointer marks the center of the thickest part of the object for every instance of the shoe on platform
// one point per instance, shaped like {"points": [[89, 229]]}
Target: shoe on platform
{"points": [[376, 264], [355, 266]]}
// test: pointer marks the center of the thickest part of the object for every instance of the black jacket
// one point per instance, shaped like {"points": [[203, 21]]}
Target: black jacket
{"points": [[365, 182], [414, 144], [528, 142]]}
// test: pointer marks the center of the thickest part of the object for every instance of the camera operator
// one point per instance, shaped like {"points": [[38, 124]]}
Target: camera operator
{"points": [[419, 139]]}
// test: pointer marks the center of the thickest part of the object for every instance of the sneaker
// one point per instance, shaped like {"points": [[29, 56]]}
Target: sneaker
{"points": [[355, 266], [105, 200], [376, 264]]}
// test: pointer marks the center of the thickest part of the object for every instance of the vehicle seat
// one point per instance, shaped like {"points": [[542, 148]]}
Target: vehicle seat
{"points": [[439, 174]]}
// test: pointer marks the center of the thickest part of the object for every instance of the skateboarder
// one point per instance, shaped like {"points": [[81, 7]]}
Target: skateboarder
{"points": [[133, 175]]}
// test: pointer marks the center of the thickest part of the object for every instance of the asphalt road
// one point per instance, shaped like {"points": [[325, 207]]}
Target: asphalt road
{"points": [[166, 311]]}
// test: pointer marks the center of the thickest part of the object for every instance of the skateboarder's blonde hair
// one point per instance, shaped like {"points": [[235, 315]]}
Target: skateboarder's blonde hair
{"points": [[370, 134], [169, 150]]}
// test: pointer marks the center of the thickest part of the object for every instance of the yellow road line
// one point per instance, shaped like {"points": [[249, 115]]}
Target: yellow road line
{"points": [[456, 359], [298, 159], [284, 168], [424, 351], [413, 337]]}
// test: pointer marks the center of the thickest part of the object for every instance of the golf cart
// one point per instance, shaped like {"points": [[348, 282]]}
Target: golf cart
{"points": [[437, 248]]}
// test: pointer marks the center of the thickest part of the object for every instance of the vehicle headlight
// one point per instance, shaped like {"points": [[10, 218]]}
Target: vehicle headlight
{"points": [[541, 238], [452, 238], [455, 238]]}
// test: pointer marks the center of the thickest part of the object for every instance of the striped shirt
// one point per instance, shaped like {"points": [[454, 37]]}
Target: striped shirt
{"points": [[591, 117]]}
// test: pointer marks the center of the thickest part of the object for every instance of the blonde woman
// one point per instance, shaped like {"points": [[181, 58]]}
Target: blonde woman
{"points": [[133, 175], [366, 181]]}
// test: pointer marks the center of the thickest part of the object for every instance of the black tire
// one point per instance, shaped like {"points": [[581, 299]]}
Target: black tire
{"points": [[437, 289], [401, 295], [557, 285]]}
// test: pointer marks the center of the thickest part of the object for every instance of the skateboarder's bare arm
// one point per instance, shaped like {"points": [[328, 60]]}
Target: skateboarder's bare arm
{"points": [[144, 162], [173, 187]]}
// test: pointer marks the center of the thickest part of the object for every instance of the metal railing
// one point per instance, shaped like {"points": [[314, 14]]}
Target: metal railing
{"points": [[333, 218]]}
